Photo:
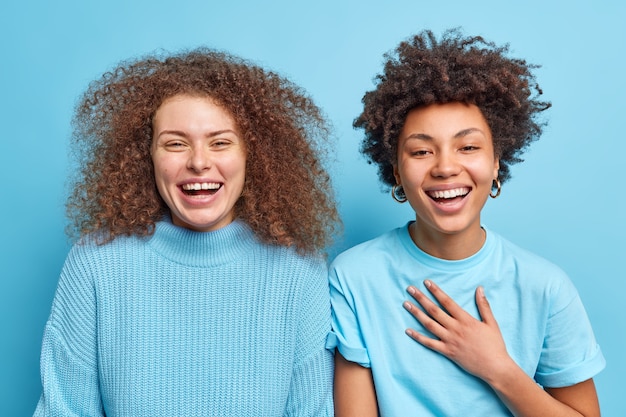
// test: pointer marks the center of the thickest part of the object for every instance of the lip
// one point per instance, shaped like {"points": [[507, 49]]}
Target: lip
{"points": [[452, 206], [198, 180], [445, 187], [199, 199]]}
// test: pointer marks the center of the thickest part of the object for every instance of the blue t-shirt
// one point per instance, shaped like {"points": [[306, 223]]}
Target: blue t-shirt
{"points": [[540, 314]]}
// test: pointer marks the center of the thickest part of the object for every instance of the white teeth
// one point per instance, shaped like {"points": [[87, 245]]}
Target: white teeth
{"points": [[197, 186], [449, 193]]}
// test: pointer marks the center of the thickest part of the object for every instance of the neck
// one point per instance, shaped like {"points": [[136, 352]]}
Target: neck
{"points": [[448, 246]]}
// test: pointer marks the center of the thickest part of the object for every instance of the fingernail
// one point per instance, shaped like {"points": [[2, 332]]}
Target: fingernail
{"points": [[407, 305], [411, 290], [427, 283]]}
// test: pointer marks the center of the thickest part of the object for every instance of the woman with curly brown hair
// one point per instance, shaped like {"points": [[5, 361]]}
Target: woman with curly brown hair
{"points": [[446, 120], [197, 286]]}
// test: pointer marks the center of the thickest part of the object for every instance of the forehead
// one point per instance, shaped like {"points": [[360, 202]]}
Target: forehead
{"points": [[193, 111], [444, 120]]}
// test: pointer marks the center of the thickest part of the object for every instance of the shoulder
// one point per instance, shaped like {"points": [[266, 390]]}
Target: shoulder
{"points": [[300, 278], [524, 257], [369, 252], [90, 260], [371, 266], [531, 269], [288, 253], [288, 265], [91, 247]]}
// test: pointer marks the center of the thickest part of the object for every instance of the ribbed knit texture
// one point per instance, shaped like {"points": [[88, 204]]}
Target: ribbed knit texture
{"points": [[188, 324]]}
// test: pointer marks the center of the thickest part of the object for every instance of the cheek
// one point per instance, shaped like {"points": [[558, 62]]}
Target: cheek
{"points": [[411, 173], [483, 169], [163, 166], [485, 176], [160, 181], [235, 167], [159, 172], [164, 181]]}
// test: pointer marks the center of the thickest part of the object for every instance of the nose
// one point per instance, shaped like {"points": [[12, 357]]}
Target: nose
{"points": [[446, 165], [199, 160]]}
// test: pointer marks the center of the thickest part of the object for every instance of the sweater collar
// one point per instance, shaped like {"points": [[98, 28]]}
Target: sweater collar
{"points": [[202, 249]]}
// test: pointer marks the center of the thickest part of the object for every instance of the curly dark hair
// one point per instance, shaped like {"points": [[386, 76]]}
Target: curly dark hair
{"points": [[471, 70], [288, 198]]}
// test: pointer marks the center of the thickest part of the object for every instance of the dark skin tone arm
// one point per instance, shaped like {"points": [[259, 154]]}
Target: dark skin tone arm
{"points": [[354, 391]]}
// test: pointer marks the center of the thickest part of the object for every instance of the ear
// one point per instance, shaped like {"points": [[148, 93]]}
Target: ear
{"points": [[396, 174], [496, 167]]}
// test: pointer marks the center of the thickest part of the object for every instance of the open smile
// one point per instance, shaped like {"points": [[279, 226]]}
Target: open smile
{"points": [[448, 196], [201, 188]]}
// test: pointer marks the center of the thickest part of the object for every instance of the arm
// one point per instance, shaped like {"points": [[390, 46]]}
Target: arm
{"points": [[70, 386], [478, 347], [69, 366], [311, 389], [354, 390]]}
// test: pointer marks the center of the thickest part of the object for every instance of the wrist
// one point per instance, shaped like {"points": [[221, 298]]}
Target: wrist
{"points": [[506, 374]]}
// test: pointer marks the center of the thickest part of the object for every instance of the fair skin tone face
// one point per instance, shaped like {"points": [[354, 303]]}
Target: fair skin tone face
{"points": [[446, 165], [199, 161]]}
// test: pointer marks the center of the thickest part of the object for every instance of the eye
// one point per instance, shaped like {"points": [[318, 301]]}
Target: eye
{"points": [[221, 143], [420, 152], [469, 148], [174, 145]]}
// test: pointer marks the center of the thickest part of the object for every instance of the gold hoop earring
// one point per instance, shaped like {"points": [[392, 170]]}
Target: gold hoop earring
{"points": [[498, 189], [398, 193]]}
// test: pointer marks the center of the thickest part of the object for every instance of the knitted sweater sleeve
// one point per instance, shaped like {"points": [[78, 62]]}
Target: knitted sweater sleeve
{"points": [[311, 391], [69, 370]]}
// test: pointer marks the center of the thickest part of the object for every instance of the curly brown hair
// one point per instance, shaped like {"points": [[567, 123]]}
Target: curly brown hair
{"points": [[287, 199], [471, 70]]}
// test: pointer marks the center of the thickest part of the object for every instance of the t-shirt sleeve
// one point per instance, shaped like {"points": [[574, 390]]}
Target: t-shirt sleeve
{"points": [[346, 334], [69, 370], [570, 353]]}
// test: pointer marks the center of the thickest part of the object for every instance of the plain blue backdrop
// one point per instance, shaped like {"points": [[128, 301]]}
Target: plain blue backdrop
{"points": [[565, 202]]}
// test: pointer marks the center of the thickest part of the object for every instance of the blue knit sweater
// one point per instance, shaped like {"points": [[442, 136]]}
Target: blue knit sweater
{"points": [[188, 324]]}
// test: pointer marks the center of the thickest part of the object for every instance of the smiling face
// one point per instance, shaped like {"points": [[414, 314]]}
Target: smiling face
{"points": [[199, 161], [446, 165]]}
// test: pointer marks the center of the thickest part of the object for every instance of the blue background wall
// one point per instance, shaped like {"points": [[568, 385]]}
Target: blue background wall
{"points": [[566, 202]]}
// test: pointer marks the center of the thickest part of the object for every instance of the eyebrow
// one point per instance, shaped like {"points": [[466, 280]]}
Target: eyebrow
{"points": [[183, 133], [459, 134]]}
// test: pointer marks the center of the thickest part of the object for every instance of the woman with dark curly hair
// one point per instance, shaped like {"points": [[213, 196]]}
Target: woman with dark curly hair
{"points": [[446, 120], [197, 286]]}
